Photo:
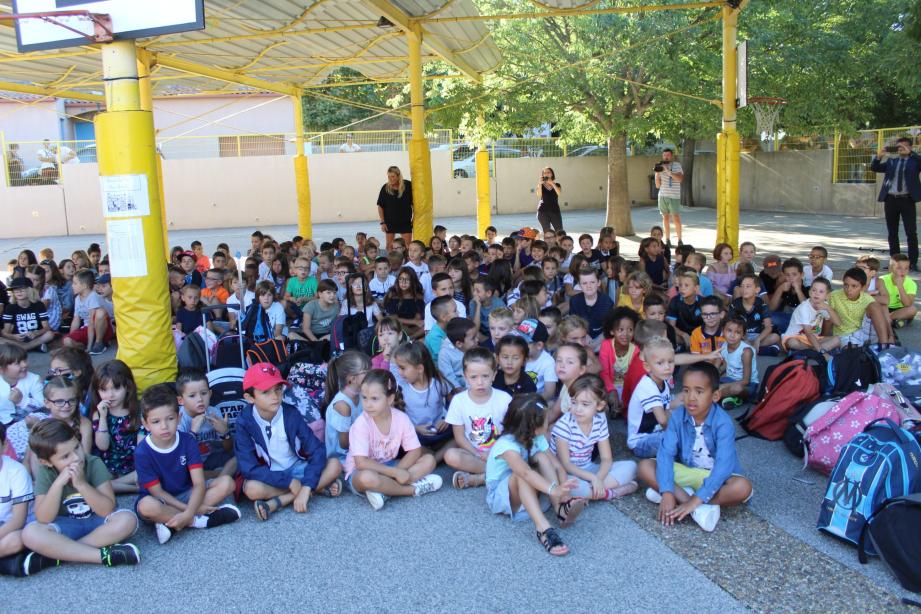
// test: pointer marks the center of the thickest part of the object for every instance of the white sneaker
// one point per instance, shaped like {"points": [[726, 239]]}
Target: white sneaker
{"points": [[376, 499], [164, 533], [706, 515], [653, 496], [429, 483]]}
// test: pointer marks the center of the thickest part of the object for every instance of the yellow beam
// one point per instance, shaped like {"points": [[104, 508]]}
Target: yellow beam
{"points": [[420, 162], [408, 24], [320, 86], [223, 75], [621, 10], [51, 92], [727, 170], [337, 62], [39, 57]]}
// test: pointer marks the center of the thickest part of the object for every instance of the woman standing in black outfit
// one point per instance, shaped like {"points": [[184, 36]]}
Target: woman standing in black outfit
{"points": [[395, 206], [548, 209]]}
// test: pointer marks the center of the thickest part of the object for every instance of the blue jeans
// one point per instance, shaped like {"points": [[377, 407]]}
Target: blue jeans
{"points": [[78, 528], [648, 446]]}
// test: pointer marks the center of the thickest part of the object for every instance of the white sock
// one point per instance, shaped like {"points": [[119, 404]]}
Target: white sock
{"points": [[200, 522]]}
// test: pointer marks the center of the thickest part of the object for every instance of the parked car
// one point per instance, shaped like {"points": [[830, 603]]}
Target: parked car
{"points": [[588, 150], [467, 167]]}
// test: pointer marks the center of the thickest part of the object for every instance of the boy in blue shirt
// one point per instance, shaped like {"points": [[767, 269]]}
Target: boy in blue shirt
{"points": [[696, 469], [443, 310], [173, 492]]}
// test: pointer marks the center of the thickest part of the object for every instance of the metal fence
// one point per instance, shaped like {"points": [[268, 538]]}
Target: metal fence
{"points": [[854, 152]]}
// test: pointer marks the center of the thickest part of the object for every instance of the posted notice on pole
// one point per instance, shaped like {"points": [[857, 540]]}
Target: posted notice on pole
{"points": [[127, 257], [124, 196]]}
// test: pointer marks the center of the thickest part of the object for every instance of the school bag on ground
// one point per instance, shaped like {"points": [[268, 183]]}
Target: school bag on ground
{"points": [[882, 462], [787, 387], [274, 351], [827, 436], [853, 368], [893, 533], [307, 390], [800, 421]]}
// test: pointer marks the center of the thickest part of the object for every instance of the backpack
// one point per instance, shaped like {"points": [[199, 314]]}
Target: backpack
{"points": [[880, 463], [270, 350], [307, 390], [825, 437], [256, 314], [346, 331], [227, 393], [192, 353], [800, 421], [893, 533], [787, 387], [227, 352], [853, 368]]}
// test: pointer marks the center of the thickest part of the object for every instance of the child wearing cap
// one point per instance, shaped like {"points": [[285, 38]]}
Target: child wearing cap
{"points": [[187, 262], [540, 365], [103, 288], [25, 319], [281, 460], [90, 327]]}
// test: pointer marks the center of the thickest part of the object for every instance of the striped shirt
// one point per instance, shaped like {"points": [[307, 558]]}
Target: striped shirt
{"points": [[671, 188], [580, 445], [640, 418]]}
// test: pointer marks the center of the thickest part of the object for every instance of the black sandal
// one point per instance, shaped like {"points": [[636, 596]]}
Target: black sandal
{"points": [[263, 508], [568, 511], [552, 542]]}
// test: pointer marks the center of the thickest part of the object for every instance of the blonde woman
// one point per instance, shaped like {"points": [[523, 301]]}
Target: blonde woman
{"points": [[395, 206]]}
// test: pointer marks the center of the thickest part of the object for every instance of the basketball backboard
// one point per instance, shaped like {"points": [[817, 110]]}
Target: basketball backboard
{"points": [[130, 19], [742, 75]]}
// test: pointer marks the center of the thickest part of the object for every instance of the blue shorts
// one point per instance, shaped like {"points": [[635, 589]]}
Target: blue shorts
{"points": [[436, 438], [750, 390], [184, 497], [648, 446], [78, 528], [390, 463]]}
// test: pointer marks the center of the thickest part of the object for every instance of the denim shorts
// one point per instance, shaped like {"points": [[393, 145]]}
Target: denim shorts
{"points": [[390, 463], [78, 528], [648, 446], [183, 497]]}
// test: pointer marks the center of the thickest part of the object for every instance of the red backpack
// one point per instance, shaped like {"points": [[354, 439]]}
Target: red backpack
{"points": [[787, 386]]}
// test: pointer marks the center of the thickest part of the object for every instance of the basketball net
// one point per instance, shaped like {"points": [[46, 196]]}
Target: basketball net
{"points": [[767, 111]]}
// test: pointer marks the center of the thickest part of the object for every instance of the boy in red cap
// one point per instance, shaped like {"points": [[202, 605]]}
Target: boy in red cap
{"points": [[281, 460]]}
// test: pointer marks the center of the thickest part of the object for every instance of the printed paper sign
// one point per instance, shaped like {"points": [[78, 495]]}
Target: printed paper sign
{"points": [[127, 257], [124, 196]]}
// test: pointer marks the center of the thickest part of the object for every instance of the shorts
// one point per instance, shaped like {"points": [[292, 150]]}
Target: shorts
{"points": [[648, 445], [499, 500], [217, 459], [693, 478], [390, 463], [81, 335], [184, 497], [801, 338], [669, 206], [78, 528], [750, 390], [436, 438]]}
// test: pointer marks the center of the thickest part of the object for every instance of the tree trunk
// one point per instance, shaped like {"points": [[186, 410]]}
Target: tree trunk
{"points": [[618, 206], [687, 165]]}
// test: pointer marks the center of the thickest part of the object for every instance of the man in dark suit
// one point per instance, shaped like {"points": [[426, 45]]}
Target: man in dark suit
{"points": [[901, 190]]}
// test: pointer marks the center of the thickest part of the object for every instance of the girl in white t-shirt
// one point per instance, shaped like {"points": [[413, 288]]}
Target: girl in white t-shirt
{"points": [[274, 311], [358, 299], [375, 439]]}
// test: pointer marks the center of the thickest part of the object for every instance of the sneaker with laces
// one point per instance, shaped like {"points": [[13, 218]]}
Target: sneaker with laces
{"points": [[98, 349], [120, 554], [653, 496], [730, 403], [35, 562], [429, 483], [164, 533], [376, 499], [225, 514], [706, 515]]}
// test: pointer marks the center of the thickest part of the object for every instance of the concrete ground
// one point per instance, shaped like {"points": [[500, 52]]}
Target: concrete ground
{"points": [[445, 551]]}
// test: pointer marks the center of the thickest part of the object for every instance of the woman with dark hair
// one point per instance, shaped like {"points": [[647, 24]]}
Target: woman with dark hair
{"points": [[548, 209], [395, 206]]}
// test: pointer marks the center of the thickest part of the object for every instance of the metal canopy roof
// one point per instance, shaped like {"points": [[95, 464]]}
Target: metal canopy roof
{"points": [[272, 45]]}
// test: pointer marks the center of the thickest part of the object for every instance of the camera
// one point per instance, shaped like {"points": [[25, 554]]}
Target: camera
{"points": [[892, 148], [660, 166], [545, 178]]}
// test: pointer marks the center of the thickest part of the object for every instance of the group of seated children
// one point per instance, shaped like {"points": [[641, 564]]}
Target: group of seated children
{"points": [[516, 397]]}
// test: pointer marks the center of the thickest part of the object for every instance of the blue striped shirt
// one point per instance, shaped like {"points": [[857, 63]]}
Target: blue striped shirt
{"points": [[580, 445]]}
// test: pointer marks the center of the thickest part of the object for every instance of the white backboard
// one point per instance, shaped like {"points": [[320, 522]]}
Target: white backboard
{"points": [[130, 19], [742, 75]]}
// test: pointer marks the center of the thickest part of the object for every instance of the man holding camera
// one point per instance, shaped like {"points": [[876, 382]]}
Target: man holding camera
{"points": [[669, 175], [901, 190]]}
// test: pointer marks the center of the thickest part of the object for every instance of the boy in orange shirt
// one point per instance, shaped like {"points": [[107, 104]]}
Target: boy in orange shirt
{"points": [[709, 336]]}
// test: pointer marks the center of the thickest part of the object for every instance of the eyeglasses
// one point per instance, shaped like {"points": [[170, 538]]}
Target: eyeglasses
{"points": [[710, 314], [62, 403]]}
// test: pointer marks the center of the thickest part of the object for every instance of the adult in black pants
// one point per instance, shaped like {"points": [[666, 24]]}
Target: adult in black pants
{"points": [[901, 190], [395, 207], [548, 209]]}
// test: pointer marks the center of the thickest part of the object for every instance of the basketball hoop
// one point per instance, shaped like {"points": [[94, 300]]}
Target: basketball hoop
{"points": [[767, 110], [101, 22]]}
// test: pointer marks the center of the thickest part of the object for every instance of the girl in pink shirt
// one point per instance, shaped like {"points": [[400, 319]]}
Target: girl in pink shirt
{"points": [[375, 439]]}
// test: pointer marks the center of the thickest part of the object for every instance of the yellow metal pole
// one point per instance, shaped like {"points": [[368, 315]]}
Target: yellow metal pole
{"points": [[146, 89], [128, 174], [834, 163], [728, 162], [301, 172], [483, 204], [3, 158], [420, 162]]}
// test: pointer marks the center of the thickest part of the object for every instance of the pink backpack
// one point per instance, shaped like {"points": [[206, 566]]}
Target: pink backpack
{"points": [[825, 438]]}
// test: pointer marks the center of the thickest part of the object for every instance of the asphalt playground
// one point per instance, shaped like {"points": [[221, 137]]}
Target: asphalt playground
{"points": [[446, 552]]}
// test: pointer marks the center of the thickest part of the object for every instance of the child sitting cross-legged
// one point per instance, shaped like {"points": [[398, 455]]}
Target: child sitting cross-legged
{"points": [[281, 460], [651, 402], [205, 423], [863, 320], [709, 335], [512, 353], [373, 467], [15, 506], [475, 416], [424, 393], [174, 494], [806, 323], [741, 360], [76, 519], [696, 469], [576, 435], [897, 291]]}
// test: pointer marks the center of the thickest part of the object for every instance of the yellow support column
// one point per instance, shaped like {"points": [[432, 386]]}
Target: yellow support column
{"points": [[146, 89], [728, 162], [420, 161], [134, 230], [301, 174], [483, 204]]}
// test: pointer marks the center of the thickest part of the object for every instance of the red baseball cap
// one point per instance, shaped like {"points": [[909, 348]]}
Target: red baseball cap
{"points": [[263, 376]]}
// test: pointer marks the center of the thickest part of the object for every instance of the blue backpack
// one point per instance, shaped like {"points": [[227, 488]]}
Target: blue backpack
{"points": [[882, 462]]}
